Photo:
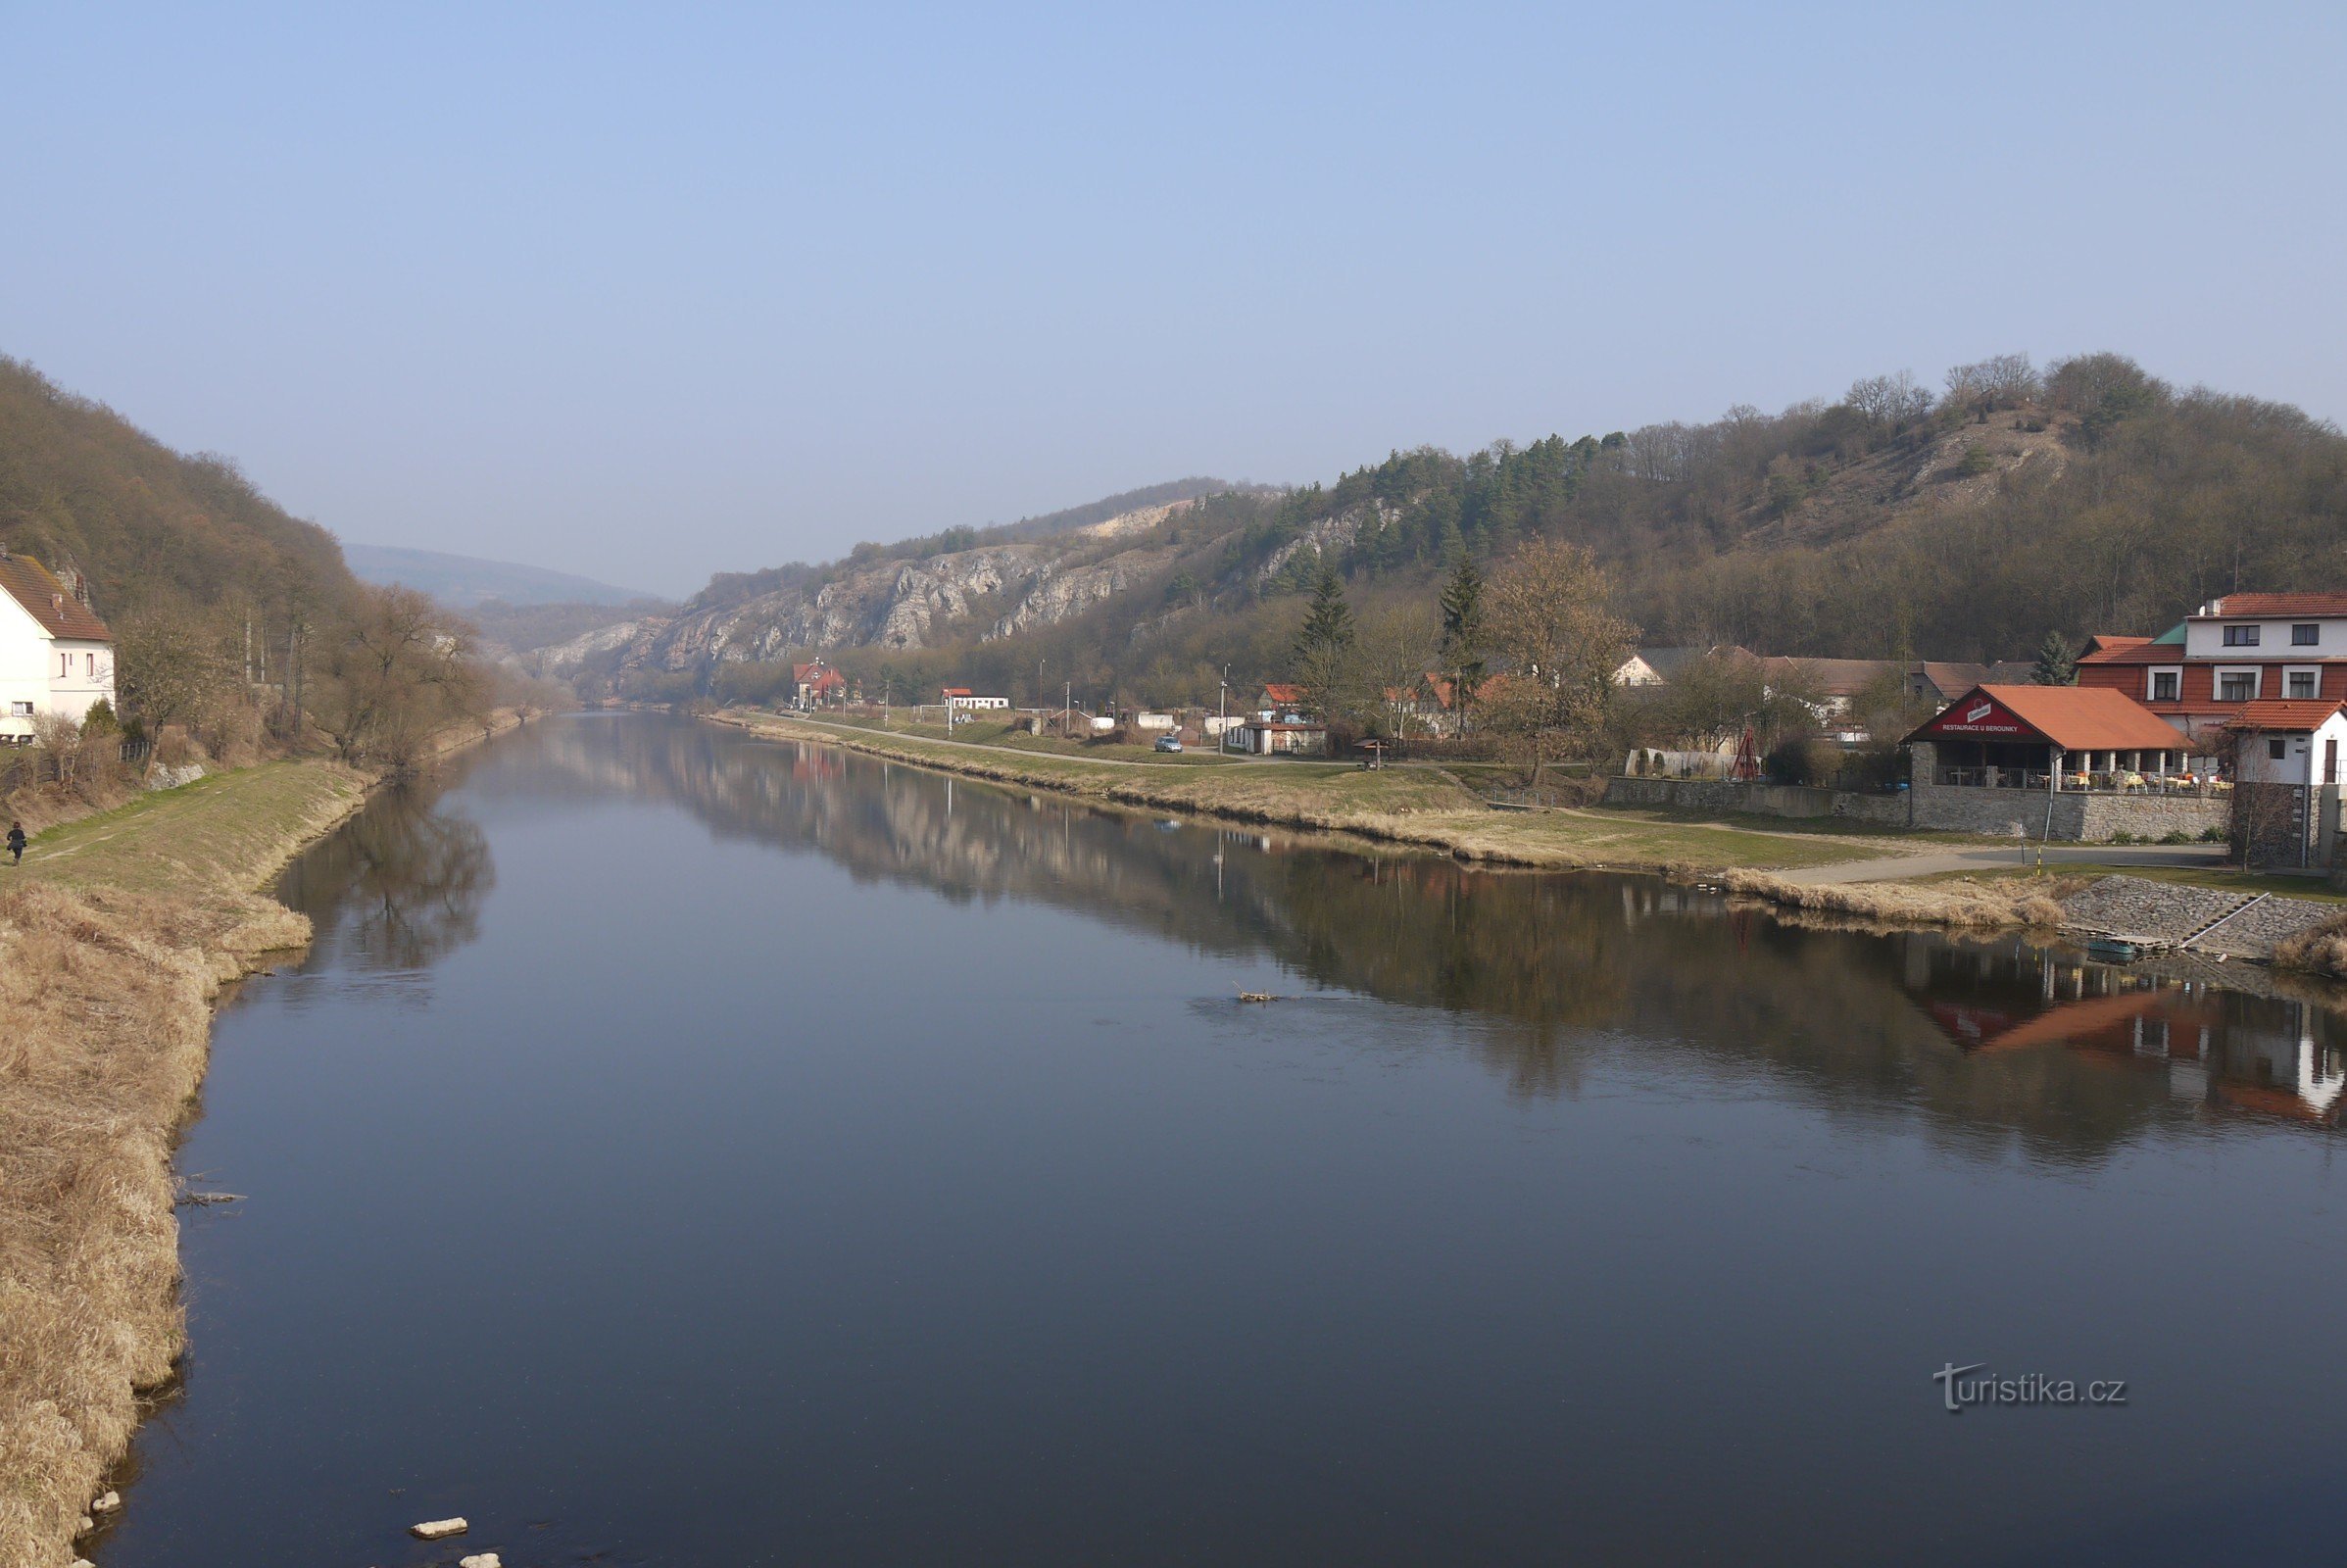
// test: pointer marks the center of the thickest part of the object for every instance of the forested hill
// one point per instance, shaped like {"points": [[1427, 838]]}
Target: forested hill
{"points": [[151, 528], [1893, 520]]}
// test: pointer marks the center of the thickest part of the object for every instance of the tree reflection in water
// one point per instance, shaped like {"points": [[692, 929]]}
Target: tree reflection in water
{"points": [[398, 886]]}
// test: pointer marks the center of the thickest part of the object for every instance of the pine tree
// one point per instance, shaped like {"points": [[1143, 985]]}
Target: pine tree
{"points": [[2057, 662], [1324, 643], [1462, 628]]}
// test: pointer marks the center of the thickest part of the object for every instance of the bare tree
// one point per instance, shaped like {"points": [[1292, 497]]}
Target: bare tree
{"points": [[1889, 401], [1552, 622], [395, 671]]}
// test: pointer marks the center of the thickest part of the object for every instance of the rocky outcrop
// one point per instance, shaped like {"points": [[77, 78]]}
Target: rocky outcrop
{"points": [[1057, 595], [897, 603]]}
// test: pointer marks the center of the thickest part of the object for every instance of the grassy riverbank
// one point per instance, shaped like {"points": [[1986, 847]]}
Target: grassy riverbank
{"points": [[116, 935], [1417, 806]]}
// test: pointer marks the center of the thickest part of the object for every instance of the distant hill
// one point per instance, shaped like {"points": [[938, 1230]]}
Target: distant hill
{"points": [[464, 582]]}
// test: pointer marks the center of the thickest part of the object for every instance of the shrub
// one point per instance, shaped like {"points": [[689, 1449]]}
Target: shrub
{"points": [[2121, 838]]}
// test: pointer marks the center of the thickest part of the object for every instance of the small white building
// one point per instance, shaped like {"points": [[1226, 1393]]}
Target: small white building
{"points": [[56, 655], [2289, 742]]}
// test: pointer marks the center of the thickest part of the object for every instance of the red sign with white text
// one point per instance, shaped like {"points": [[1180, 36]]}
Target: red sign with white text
{"points": [[1977, 716]]}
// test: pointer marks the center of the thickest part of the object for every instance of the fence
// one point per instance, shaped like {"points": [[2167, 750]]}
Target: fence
{"points": [[24, 767], [2184, 786]]}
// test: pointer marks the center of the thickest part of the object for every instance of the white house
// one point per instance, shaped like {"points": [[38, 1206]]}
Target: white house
{"points": [[2283, 741], [56, 655]]}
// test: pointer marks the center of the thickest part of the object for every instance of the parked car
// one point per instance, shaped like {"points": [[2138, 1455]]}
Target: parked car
{"points": [[1169, 743]]}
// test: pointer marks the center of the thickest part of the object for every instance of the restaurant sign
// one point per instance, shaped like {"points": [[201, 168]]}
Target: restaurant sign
{"points": [[1977, 716]]}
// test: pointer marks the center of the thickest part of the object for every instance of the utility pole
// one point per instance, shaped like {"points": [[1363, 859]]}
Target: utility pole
{"points": [[1222, 713], [1067, 706]]}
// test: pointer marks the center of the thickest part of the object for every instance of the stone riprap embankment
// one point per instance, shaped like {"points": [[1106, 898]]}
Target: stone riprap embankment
{"points": [[2172, 915]]}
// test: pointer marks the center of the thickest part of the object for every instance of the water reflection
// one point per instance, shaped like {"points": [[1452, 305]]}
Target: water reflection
{"points": [[1992, 1041], [398, 887]]}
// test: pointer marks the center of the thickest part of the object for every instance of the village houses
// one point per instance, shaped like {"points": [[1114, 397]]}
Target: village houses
{"points": [[56, 655]]}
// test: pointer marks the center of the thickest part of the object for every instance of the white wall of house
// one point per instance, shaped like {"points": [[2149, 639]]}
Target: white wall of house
{"points": [[2205, 639], [41, 674], [83, 673], [2301, 755]]}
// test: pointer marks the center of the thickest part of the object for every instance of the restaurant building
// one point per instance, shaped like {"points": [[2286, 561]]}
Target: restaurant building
{"points": [[2076, 762]]}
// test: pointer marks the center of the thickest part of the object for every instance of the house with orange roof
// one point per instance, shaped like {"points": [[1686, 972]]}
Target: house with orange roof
{"points": [[815, 684], [2233, 650], [2079, 763], [56, 655]]}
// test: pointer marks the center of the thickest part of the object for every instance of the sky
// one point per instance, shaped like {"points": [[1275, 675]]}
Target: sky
{"points": [[649, 292]]}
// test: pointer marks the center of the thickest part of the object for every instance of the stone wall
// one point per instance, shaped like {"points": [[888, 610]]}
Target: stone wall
{"points": [[1763, 799], [2076, 817], [2272, 827]]}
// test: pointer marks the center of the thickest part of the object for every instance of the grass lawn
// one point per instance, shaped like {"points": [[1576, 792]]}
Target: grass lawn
{"points": [[1416, 803], [228, 828]]}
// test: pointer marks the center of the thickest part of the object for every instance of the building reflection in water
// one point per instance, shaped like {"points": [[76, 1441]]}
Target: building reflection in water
{"points": [[2273, 1055]]}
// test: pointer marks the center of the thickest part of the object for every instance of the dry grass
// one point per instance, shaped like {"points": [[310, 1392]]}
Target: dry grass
{"points": [[2317, 949], [114, 937], [1974, 905], [107, 1000]]}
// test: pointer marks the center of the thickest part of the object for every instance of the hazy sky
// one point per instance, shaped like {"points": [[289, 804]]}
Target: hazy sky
{"points": [[647, 292]]}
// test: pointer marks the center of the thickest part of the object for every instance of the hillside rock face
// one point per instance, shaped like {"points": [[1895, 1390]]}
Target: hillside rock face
{"points": [[913, 603]]}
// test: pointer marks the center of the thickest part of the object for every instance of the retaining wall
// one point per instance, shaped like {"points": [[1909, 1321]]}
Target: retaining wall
{"points": [[1762, 799]]}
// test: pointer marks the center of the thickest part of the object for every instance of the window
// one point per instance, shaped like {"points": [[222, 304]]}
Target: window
{"points": [[65, 662], [2301, 682], [2166, 685], [2277, 749], [2240, 636], [2307, 635], [2236, 685], [89, 664], [20, 709]]}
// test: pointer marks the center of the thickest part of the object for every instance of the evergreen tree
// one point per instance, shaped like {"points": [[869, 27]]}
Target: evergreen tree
{"points": [[1324, 643], [1462, 626], [2057, 662]]}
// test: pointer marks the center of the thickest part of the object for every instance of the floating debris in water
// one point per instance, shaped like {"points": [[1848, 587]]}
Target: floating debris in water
{"points": [[484, 1559], [438, 1529], [108, 1503], [1256, 995]]}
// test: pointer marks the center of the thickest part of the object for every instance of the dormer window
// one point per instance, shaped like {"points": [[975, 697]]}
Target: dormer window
{"points": [[2240, 636]]}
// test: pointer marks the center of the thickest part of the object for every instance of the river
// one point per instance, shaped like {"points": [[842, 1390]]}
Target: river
{"points": [[678, 1147]]}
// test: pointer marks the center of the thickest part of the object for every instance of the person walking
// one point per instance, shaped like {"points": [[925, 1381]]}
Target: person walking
{"points": [[16, 843]]}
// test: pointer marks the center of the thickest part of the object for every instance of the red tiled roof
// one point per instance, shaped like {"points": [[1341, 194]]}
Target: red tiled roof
{"points": [[955, 691], [2237, 606], [2124, 650], [2077, 719], [1284, 692], [2290, 713], [46, 601]]}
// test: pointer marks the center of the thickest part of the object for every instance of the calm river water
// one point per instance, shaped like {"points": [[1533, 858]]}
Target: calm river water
{"points": [[682, 1149]]}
